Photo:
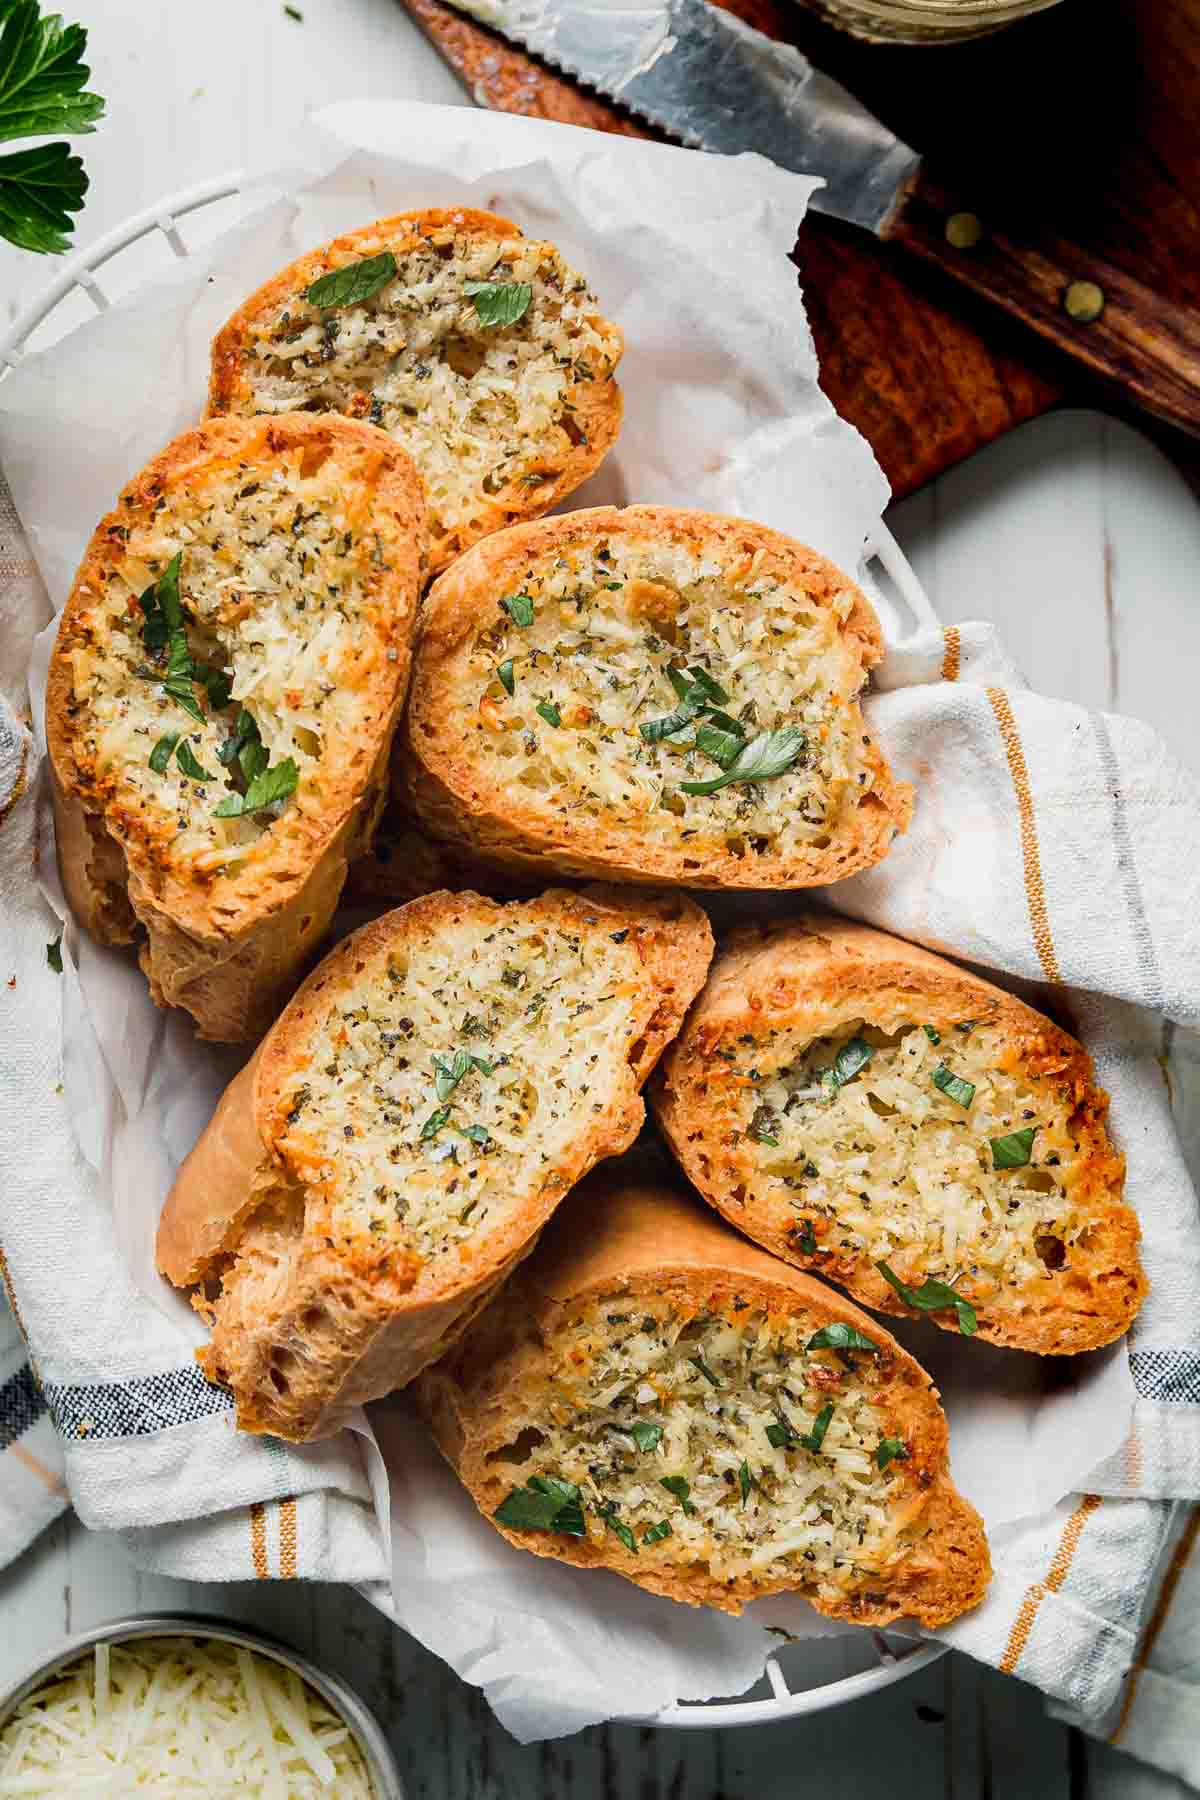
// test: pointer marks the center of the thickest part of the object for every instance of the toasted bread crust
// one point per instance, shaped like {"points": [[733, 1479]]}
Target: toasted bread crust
{"points": [[465, 804], [229, 947], [818, 972], [593, 405], [355, 1320], [618, 1237]]}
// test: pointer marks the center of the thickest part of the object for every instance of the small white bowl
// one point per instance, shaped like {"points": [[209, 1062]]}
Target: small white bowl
{"points": [[367, 1732]]}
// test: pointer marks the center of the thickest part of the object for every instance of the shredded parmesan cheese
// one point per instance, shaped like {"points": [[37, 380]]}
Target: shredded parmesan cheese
{"points": [[179, 1716]]}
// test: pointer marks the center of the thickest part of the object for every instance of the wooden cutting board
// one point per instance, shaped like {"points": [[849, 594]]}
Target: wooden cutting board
{"points": [[1083, 121]]}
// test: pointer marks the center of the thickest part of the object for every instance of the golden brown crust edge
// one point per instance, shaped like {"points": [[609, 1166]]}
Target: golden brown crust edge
{"points": [[232, 975], [618, 1235], [792, 974], [361, 1327], [597, 405], [443, 789]]}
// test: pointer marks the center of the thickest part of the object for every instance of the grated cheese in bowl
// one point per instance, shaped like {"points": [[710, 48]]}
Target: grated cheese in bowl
{"points": [[178, 1716]]}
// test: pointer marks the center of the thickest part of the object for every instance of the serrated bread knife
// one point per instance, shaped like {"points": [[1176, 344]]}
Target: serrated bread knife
{"points": [[705, 78]]}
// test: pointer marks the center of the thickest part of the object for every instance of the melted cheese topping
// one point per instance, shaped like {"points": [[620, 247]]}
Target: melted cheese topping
{"points": [[818, 1517], [610, 620], [274, 584], [888, 1166], [477, 407], [175, 1716], [547, 1012]]}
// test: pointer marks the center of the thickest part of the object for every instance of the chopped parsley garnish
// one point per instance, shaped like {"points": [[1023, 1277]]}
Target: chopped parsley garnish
{"points": [[723, 745], [763, 1127], [807, 1239], [609, 1515], [478, 1134], [270, 785], [434, 1123], [779, 1436], [745, 1482], [54, 955], [889, 1450], [41, 80], [851, 1060], [698, 1362], [646, 1436], [840, 1337], [185, 757], [216, 684], [160, 756], [506, 678], [697, 692], [761, 759], [543, 1504], [499, 302], [447, 1075], [932, 1296], [547, 710], [519, 608], [1013, 1151], [953, 1086], [677, 1485], [357, 281], [934, 1036], [654, 1534], [163, 630], [812, 1440]]}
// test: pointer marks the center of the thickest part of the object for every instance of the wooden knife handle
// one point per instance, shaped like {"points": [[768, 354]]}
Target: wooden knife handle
{"points": [[1102, 317]]}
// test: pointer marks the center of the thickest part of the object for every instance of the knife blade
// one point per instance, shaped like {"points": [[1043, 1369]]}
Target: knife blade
{"points": [[702, 76]]}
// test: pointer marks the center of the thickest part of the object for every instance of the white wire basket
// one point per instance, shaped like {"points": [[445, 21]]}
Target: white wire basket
{"points": [[801, 1677]]}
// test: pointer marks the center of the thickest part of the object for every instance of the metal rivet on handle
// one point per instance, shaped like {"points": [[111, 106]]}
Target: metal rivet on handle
{"points": [[1083, 301], [963, 231]]}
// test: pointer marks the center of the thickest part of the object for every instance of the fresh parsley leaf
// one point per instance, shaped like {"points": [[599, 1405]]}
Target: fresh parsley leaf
{"points": [[812, 1440], [681, 682], [42, 78], [519, 608], [711, 690], [547, 710], [840, 1337], [216, 684], [357, 281], [807, 1239], [697, 692], [953, 1086], [478, 1134], [889, 1450], [654, 1534], [160, 756], [654, 731], [434, 1123], [506, 677], [723, 746], [764, 757], [162, 610], [447, 1075], [932, 1296], [186, 759], [39, 189], [851, 1060], [543, 1504], [609, 1515], [763, 1127], [931, 1032], [245, 731], [499, 302], [779, 1436], [1013, 1151], [646, 1436], [183, 692], [675, 1484], [270, 785], [745, 1482], [698, 1362], [54, 955]]}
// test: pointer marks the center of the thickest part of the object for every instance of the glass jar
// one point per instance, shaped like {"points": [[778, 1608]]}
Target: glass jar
{"points": [[923, 21]]}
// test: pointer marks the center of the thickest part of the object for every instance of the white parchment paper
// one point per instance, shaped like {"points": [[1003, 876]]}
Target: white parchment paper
{"points": [[723, 411]]}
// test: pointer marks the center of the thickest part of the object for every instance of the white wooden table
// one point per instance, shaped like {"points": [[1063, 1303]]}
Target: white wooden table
{"points": [[1074, 534]]}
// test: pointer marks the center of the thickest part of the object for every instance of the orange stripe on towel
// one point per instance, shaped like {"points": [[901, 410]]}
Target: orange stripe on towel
{"points": [[1018, 1637], [258, 1539], [1035, 892], [952, 655], [287, 1538]]}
